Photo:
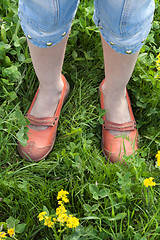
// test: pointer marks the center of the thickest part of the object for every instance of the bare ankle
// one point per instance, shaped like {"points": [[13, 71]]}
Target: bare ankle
{"points": [[54, 86], [114, 94]]}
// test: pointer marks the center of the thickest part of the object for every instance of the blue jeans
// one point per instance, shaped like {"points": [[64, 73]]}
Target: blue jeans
{"points": [[124, 24]]}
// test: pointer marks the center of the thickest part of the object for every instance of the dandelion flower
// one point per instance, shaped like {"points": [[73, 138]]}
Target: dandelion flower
{"points": [[149, 182], [42, 215], [2, 235], [158, 158], [11, 232], [72, 222]]}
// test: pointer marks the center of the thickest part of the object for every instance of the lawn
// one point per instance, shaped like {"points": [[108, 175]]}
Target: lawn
{"points": [[110, 200]]}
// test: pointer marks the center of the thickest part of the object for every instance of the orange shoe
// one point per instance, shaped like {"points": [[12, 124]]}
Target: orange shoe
{"points": [[40, 143], [114, 147]]}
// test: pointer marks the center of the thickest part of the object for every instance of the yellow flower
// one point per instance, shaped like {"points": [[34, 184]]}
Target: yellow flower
{"points": [[2, 235], [41, 216], [54, 219], [11, 232], [48, 222], [62, 218], [157, 76], [158, 158], [60, 210], [158, 66], [60, 203], [158, 62], [65, 199], [62, 195], [149, 182], [158, 56], [72, 222]]}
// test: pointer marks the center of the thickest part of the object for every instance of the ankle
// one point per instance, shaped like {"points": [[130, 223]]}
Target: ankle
{"points": [[113, 94], [53, 87]]}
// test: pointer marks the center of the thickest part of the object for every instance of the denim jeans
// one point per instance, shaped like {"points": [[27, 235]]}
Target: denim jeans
{"points": [[124, 24]]}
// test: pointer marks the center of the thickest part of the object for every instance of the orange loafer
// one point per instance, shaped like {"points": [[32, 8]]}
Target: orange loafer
{"points": [[114, 147], [40, 143]]}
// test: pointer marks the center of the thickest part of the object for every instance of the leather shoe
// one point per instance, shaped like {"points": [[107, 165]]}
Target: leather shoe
{"points": [[40, 143], [114, 147]]}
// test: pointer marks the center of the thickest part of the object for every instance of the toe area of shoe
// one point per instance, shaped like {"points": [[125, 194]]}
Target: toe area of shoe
{"points": [[115, 150], [117, 156], [32, 153]]}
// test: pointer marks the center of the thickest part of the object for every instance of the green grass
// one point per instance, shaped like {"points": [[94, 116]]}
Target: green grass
{"points": [[109, 199]]}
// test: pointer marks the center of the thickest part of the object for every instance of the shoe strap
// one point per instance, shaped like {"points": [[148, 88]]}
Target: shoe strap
{"points": [[128, 126], [45, 121]]}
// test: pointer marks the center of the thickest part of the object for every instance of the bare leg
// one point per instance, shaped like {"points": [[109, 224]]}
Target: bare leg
{"points": [[47, 63], [118, 70]]}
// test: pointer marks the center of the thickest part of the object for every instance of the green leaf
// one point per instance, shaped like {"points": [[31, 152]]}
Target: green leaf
{"points": [[21, 57], [120, 195], [74, 55], [87, 56], [94, 190], [20, 228], [22, 40], [20, 118], [124, 180], [4, 46], [11, 222], [7, 61], [45, 209], [95, 207], [87, 207], [7, 82], [101, 112], [104, 193], [140, 104], [23, 186], [95, 196], [12, 95], [17, 44], [28, 60], [73, 146], [21, 136], [118, 217], [101, 121], [82, 23], [90, 217], [142, 56], [137, 236], [3, 34]]}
